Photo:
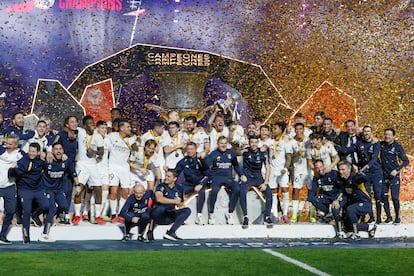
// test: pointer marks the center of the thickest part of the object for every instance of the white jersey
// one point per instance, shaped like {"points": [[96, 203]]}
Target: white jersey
{"points": [[325, 153], [307, 132], [214, 135], [238, 136], [277, 152], [300, 164], [6, 160], [143, 162], [86, 141], [119, 149], [200, 138], [172, 158], [42, 141], [268, 143]]}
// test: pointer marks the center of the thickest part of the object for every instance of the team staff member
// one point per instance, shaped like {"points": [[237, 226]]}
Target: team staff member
{"points": [[136, 211], [170, 207], [393, 160], [253, 161], [219, 166], [327, 183], [28, 172], [52, 181], [191, 167], [358, 193], [9, 154]]}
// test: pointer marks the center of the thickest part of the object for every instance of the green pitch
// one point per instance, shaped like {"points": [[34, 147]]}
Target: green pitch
{"points": [[209, 262]]}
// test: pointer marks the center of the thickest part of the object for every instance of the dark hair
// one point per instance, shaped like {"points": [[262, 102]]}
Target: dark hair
{"points": [[251, 137], [174, 123], [265, 126], [320, 113], [350, 121], [57, 143], [299, 124], [150, 142], [316, 135], [17, 113], [86, 118], [121, 122], [367, 126], [35, 145], [328, 119], [157, 123], [191, 118], [299, 115], [281, 125], [344, 162], [317, 161], [174, 172], [116, 109], [390, 129], [100, 123], [40, 122], [221, 138], [66, 121], [191, 143]]}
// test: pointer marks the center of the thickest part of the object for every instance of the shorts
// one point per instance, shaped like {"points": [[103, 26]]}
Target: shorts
{"points": [[138, 177], [276, 179], [300, 179], [88, 174], [119, 176]]}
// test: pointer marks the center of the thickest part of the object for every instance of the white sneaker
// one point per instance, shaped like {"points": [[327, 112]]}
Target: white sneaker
{"points": [[211, 219], [46, 238], [230, 218], [341, 235], [198, 219]]}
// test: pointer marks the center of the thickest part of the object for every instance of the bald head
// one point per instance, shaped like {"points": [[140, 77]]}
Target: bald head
{"points": [[139, 191]]}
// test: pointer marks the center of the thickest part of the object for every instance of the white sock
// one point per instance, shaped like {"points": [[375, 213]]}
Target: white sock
{"points": [[295, 208], [285, 203], [274, 206], [121, 204], [77, 207], [113, 204], [98, 209], [104, 203]]}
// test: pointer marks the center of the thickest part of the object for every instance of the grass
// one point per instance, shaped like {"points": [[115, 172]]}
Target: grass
{"points": [[208, 262]]}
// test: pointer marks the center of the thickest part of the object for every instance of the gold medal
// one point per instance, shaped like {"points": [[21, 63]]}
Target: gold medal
{"points": [[176, 154], [273, 157]]}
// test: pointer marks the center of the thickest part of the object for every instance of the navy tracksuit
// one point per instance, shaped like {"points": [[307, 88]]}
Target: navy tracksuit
{"points": [[192, 170], [357, 192], [252, 169], [219, 167], [330, 187], [137, 208], [164, 214], [23, 135], [52, 181], [70, 147], [28, 175], [392, 157]]}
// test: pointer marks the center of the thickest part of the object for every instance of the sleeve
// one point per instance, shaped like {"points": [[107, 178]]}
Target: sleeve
{"points": [[236, 164], [27, 135], [402, 158], [70, 168], [22, 167], [312, 191], [208, 163], [180, 166]]}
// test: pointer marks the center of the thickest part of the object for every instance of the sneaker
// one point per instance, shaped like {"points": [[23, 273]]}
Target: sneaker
{"points": [[125, 238], [275, 220], [312, 219], [76, 220], [100, 220], [355, 237], [388, 220], [46, 238], [141, 238], [150, 236], [85, 217], [269, 223], [121, 219], [106, 218], [379, 221], [19, 220], [371, 230], [285, 219], [371, 220], [294, 219], [4, 240], [114, 219], [198, 219], [36, 221], [397, 221], [170, 235], [26, 239], [245, 223], [229, 218], [341, 235], [211, 219]]}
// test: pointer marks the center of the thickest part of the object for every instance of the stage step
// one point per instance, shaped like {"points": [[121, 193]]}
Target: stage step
{"points": [[87, 231]]}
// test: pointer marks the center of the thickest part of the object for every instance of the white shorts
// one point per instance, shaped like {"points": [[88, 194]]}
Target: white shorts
{"points": [[276, 179], [119, 176], [88, 174], [137, 177], [300, 179]]}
